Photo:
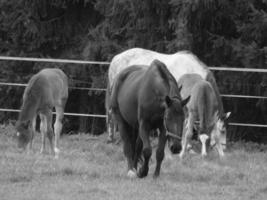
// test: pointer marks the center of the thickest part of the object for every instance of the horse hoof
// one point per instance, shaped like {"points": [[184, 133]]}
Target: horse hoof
{"points": [[56, 153], [131, 174], [142, 173], [181, 155]]}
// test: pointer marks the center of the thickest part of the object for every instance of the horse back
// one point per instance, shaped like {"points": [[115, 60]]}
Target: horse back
{"points": [[48, 87]]}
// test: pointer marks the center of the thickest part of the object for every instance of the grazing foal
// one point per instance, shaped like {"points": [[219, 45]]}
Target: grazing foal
{"points": [[204, 107], [46, 90]]}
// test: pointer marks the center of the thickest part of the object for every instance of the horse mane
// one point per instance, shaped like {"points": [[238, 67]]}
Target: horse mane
{"points": [[29, 100], [168, 78]]}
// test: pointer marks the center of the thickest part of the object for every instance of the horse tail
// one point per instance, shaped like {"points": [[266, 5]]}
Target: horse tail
{"points": [[211, 79]]}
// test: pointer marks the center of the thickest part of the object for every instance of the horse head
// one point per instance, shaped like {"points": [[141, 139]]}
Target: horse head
{"points": [[24, 133], [219, 132], [173, 121]]}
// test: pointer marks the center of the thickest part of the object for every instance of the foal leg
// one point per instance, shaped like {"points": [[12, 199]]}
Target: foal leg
{"points": [[218, 145], [50, 132], [43, 130], [160, 151], [110, 126], [147, 149], [58, 127], [33, 126], [203, 139], [188, 133]]}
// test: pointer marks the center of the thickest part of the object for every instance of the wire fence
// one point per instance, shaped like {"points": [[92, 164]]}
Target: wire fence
{"points": [[82, 62]]}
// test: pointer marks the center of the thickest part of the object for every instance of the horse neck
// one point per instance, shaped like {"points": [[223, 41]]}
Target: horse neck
{"points": [[28, 109], [170, 80]]}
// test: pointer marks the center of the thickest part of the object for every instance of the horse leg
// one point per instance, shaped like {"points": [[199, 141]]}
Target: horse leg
{"points": [[43, 130], [188, 133], [33, 126], [203, 139], [147, 150], [50, 133], [218, 145], [128, 147], [160, 151], [110, 126], [58, 127], [138, 151]]}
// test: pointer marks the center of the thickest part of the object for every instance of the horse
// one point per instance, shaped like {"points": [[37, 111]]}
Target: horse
{"points": [[180, 63], [203, 107], [145, 99], [46, 90]]}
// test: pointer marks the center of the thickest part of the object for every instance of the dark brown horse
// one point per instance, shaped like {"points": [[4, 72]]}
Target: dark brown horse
{"points": [[204, 107], [143, 100], [46, 90]]}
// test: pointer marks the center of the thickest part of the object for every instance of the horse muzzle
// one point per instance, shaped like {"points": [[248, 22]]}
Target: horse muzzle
{"points": [[174, 146]]}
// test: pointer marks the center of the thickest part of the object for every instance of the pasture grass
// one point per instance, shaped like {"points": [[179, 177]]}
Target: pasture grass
{"points": [[89, 168]]}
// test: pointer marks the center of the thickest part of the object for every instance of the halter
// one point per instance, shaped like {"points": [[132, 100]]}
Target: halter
{"points": [[168, 133]]}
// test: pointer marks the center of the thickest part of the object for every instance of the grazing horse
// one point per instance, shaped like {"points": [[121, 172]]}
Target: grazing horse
{"points": [[46, 90], [180, 63], [143, 100], [203, 107]]}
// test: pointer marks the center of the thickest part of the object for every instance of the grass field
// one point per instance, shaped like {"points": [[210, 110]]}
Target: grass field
{"points": [[88, 168]]}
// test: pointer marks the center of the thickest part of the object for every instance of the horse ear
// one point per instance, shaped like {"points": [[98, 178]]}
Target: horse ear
{"points": [[168, 101], [227, 115], [185, 101]]}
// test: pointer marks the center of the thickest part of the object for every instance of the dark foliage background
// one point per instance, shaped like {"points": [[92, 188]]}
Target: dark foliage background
{"points": [[219, 32]]}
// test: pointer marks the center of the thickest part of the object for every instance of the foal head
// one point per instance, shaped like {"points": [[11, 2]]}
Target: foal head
{"points": [[219, 132], [173, 121], [24, 133]]}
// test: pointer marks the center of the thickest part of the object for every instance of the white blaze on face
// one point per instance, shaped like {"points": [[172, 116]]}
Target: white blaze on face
{"points": [[18, 134]]}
